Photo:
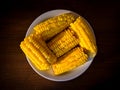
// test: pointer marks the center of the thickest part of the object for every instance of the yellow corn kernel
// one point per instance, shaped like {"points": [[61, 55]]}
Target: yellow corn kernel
{"points": [[70, 61], [86, 36], [63, 42], [36, 39], [54, 25], [34, 55]]}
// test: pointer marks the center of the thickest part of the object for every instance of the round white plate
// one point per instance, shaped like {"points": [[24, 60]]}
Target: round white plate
{"points": [[48, 74]]}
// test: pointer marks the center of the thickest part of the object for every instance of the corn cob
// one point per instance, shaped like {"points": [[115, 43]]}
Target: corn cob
{"points": [[42, 46], [86, 37], [87, 29], [38, 47], [63, 42], [54, 25], [70, 61], [34, 55]]}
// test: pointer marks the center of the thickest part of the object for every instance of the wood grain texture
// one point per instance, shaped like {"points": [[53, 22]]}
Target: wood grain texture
{"points": [[16, 73]]}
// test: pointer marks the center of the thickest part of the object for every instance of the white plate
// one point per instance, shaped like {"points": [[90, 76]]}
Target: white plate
{"points": [[48, 74]]}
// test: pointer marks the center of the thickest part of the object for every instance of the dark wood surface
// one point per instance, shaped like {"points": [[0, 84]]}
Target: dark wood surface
{"points": [[16, 17]]}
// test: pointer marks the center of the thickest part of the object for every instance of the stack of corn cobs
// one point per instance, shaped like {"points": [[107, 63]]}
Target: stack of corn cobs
{"points": [[62, 43]]}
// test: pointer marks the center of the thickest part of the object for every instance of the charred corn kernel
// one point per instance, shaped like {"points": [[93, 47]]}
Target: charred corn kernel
{"points": [[63, 42], [85, 35], [70, 61], [54, 25], [36, 39], [34, 55]]}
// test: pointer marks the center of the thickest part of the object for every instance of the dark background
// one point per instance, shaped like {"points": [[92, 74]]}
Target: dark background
{"points": [[17, 15]]}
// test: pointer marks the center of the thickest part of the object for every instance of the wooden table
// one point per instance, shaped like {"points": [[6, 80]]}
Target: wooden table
{"points": [[16, 73]]}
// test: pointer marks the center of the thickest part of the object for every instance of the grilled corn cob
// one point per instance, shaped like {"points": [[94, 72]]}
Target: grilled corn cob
{"points": [[54, 25], [63, 42], [69, 61], [86, 37]]}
